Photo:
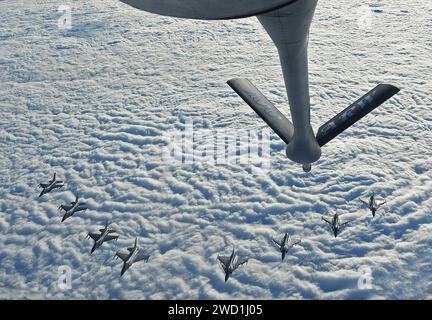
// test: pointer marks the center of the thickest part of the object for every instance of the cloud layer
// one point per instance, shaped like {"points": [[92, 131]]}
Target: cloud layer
{"points": [[94, 104]]}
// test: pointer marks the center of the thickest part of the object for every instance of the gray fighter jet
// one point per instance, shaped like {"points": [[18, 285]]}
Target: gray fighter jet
{"points": [[74, 207], [231, 263], [336, 224], [52, 184], [288, 23], [372, 204], [285, 244], [135, 254], [103, 236]]}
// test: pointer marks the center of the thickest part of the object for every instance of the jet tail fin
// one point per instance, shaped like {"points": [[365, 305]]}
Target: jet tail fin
{"points": [[263, 107], [345, 119]]}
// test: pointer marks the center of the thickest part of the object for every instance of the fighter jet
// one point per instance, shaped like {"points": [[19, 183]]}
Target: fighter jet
{"points": [[285, 244], [288, 24], [52, 184], [74, 207], [135, 254], [102, 237], [372, 204], [336, 224], [231, 263]]}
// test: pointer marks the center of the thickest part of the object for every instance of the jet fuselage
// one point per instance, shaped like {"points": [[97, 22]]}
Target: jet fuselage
{"points": [[336, 224], [130, 260], [100, 240]]}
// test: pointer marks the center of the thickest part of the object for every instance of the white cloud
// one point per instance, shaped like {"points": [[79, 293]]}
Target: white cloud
{"points": [[93, 103]]}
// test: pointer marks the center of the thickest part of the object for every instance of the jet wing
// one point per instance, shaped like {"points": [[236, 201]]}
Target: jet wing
{"points": [[109, 237], [94, 236], [121, 255], [364, 202], [43, 185], [239, 262], [294, 243], [324, 219], [224, 260], [381, 204], [345, 223], [142, 256], [279, 243], [80, 209], [65, 207]]}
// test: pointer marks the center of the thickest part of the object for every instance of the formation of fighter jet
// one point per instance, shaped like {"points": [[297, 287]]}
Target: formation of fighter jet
{"points": [[285, 244], [288, 24], [74, 207], [103, 236], [372, 204], [335, 224], [51, 185], [231, 263], [228, 263], [135, 255]]}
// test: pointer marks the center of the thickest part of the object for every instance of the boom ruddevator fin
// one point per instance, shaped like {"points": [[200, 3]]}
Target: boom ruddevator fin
{"points": [[345, 119], [263, 107]]}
